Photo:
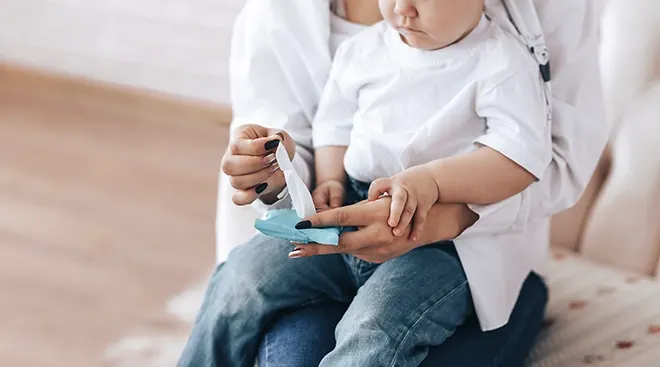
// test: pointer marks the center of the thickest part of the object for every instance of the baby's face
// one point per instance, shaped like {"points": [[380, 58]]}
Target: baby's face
{"points": [[432, 24]]}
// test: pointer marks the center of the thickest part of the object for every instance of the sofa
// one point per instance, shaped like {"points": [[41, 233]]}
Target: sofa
{"points": [[604, 307]]}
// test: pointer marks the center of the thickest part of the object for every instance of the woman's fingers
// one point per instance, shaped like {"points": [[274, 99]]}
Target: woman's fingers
{"points": [[379, 187], [253, 147], [240, 165], [254, 140], [244, 197], [245, 182], [274, 183], [308, 250], [418, 223], [360, 214], [406, 217], [349, 243]]}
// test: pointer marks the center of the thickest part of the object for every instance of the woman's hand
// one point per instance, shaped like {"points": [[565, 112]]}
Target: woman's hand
{"points": [[250, 163], [374, 241]]}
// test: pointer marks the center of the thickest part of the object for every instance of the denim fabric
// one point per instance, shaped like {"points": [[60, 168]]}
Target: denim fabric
{"points": [[302, 337], [403, 306], [397, 309]]}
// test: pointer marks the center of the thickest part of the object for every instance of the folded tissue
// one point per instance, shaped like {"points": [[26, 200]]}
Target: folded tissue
{"points": [[281, 223]]}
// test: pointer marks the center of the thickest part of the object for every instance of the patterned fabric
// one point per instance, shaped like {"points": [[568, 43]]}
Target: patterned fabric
{"points": [[598, 316]]}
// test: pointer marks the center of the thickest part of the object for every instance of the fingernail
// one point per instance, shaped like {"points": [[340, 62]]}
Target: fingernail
{"points": [[296, 253], [267, 160], [261, 188], [305, 224], [270, 145]]}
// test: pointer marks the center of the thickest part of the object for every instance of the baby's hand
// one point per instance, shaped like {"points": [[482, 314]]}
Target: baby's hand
{"points": [[413, 193], [328, 195]]}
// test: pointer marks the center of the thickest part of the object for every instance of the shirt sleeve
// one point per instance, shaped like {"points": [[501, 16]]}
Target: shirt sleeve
{"points": [[517, 121], [279, 64], [333, 122], [579, 128]]}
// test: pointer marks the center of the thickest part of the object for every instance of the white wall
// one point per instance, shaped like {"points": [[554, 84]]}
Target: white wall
{"points": [[174, 46]]}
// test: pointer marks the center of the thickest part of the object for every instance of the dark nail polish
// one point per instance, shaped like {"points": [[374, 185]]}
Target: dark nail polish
{"points": [[261, 188], [270, 145], [305, 224]]}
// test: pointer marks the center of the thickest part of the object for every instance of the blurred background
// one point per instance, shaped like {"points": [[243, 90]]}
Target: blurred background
{"points": [[113, 120]]}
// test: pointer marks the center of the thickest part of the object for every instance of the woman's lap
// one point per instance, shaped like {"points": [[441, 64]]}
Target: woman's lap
{"points": [[300, 338]]}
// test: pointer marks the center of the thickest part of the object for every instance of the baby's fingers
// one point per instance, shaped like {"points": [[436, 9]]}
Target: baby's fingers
{"points": [[379, 187], [399, 199], [336, 194], [321, 199], [407, 211]]}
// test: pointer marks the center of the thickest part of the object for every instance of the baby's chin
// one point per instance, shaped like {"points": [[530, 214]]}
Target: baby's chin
{"points": [[423, 43]]}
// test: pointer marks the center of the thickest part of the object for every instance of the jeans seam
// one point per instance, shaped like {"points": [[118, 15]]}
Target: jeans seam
{"points": [[409, 332], [266, 351]]}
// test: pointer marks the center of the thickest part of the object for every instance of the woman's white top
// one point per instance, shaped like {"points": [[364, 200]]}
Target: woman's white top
{"points": [[280, 61]]}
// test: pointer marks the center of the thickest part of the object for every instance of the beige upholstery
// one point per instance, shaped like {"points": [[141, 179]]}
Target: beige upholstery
{"points": [[603, 309], [617, 221]]}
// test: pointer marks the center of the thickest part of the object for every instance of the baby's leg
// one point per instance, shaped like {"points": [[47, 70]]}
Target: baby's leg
{"points": [[256, 282], [409, 304]]}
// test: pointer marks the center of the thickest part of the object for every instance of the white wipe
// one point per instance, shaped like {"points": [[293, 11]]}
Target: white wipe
{"points": [[301, 198]]}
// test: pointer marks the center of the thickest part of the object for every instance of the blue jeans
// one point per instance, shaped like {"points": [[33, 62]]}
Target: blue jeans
{"points": [[397, 309], [302, 337]]}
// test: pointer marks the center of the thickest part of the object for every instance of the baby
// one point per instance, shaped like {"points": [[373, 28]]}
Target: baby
{"points": [[410, 100], [434, 104]]}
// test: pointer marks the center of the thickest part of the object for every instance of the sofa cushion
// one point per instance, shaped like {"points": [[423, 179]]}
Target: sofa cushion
{"points": [[598, 316]]}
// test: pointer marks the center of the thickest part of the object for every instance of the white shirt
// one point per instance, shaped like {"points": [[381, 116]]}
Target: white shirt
{"points": [[400, 107], [275, 83]]}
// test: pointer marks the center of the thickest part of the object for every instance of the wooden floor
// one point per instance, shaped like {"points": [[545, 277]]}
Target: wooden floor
{"points": [[107, 204]]}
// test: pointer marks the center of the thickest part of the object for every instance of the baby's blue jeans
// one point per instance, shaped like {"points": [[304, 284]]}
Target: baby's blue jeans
{"points": [[397, 310]]}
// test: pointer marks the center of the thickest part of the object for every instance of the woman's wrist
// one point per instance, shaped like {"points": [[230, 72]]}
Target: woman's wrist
{"points": [[467, 218], [452, 219]]}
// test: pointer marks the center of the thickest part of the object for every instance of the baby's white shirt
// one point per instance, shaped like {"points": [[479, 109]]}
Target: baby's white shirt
{"points": [[396, 106]]}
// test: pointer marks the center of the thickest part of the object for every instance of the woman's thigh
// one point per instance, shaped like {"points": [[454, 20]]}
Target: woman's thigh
{"points": [[301, 338]]}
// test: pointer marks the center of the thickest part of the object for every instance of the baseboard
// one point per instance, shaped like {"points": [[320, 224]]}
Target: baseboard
{"points": [[18, 76]]}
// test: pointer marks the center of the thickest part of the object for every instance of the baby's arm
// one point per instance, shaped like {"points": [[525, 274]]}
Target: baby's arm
{"points": [[331, 130], [513, 153], [482, 177], [330, 177]]}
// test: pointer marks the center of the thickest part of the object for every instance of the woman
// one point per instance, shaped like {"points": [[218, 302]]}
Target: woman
{"points": [[280, 59]]}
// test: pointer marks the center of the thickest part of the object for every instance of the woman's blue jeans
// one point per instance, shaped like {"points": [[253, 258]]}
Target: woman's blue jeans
{"points": [[302, 337]]}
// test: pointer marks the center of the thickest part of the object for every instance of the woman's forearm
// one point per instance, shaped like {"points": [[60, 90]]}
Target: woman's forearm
{"points": [[451, 219]]}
